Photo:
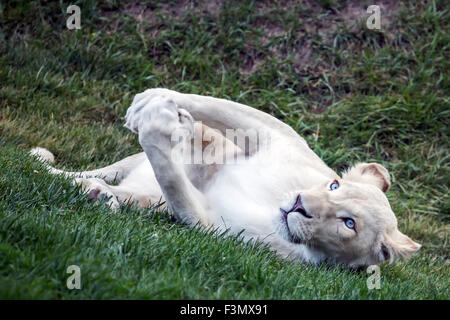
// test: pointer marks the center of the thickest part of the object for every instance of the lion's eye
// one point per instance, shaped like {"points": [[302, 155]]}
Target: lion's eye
{"points": [[334, 185], [349, 223]]}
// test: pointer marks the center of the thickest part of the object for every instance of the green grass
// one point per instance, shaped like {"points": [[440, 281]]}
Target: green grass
{"points": [[353, 93]]}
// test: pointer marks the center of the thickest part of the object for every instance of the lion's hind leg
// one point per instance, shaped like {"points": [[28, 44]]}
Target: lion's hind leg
{"points": [[98, 190], [114, 196], [135, 184]]}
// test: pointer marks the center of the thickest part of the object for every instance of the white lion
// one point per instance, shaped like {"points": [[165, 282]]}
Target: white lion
{"points": [[277, 191]]}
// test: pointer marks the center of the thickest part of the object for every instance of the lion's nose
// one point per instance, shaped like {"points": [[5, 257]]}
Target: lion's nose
{"points": [[298, 207]]}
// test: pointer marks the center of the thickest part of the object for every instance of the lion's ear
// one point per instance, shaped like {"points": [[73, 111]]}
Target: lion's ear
{"points": [[397, 246], [372, 173]]}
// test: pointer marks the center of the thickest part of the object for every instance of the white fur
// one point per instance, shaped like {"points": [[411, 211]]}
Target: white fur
{"points": [[244, 196]]}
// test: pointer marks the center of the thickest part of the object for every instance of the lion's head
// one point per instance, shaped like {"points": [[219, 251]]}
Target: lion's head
{"points": [[349, 220]]}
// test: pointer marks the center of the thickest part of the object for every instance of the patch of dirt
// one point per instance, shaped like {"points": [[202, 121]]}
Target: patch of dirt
{"points": [[322, 22], [318, 27], [147, 16], [251, 64], [176, 10], [299, 42]]}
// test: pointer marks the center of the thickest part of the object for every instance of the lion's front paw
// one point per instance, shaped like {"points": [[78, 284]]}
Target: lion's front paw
{"points": [[143, 101], [158, 119]]}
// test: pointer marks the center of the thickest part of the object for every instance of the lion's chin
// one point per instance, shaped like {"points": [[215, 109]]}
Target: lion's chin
{"points": [[292, 234], [296, 240]]}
